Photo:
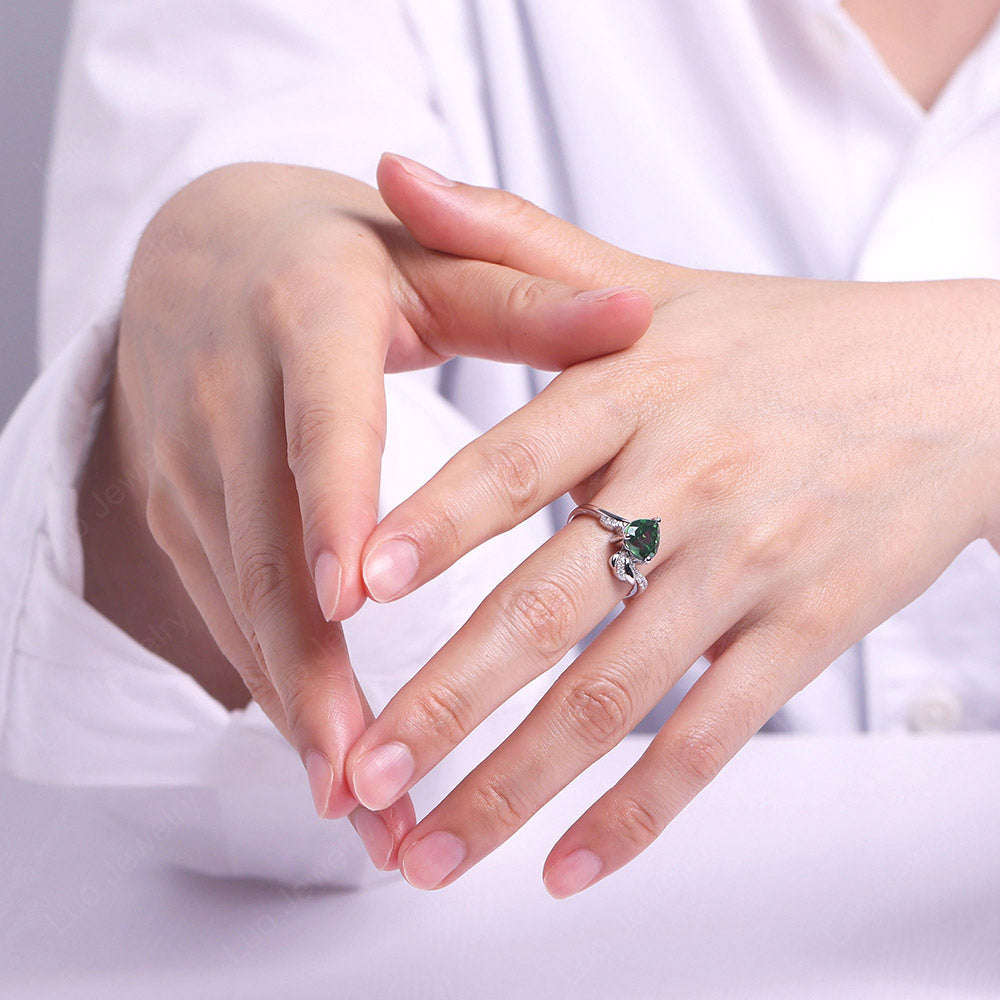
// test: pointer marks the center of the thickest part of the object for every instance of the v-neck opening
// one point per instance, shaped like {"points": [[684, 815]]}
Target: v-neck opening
{"points": [[969, 62]]}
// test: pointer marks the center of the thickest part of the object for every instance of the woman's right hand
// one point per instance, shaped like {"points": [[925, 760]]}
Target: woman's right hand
{"points": [[263, 307]]}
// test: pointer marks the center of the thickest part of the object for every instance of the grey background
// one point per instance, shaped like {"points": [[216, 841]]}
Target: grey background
{"points": [[31, 40]]}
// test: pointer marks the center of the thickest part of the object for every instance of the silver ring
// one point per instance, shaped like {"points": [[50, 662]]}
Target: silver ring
{"points": [[637, 542]]}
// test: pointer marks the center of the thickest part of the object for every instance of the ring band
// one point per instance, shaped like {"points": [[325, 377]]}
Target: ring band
{"points": [[639, 539]]}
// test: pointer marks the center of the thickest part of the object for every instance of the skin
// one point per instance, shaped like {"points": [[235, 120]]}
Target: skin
{"points": [[790, 529], [922, 42], [246, 410]]}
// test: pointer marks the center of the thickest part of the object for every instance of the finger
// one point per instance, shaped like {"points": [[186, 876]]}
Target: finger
{"points": [[304, 656], [526, 625], [500, 227], [487, 311], [742, 689], [176, 535], [498, 481], [592, 706], [382, 832], [331, 348]]}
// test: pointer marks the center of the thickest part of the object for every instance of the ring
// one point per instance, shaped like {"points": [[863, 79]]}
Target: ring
{"points": [[639, 541]]}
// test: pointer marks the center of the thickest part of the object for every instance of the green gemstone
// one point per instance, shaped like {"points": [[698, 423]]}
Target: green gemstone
{"points": [[642, 539]]}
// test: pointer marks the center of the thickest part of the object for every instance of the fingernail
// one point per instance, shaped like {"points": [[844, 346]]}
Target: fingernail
{"points": [[381, 774], [327, 577], [602, 294], [375, 836], [575, 872], [431, 860], [421, 171], [390, 569], [320, 780]]}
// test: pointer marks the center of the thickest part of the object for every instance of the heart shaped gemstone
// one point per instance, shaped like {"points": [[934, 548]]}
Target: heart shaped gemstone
{"points": [[642, 538]]}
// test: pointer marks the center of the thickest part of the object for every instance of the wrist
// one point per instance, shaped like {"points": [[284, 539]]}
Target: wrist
{"points": [[967, 311], [986, 292]]}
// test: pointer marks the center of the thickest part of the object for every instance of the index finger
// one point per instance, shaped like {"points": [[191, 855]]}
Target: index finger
{"points": [[497, 481], [330, 333], [382, 832]]}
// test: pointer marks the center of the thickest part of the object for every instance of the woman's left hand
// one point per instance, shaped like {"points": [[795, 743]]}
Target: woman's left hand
{"points": [[817, 452]]}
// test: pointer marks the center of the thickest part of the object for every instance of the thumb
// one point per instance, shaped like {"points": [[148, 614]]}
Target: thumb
{"points": [[484, 308], [502, 228], [480, 310]]}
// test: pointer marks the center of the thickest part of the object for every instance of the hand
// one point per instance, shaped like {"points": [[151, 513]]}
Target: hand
{"points": [[263, 306], [818, 453]]}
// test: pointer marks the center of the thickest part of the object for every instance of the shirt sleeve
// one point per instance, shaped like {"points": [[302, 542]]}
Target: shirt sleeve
{"points": [[154, 94]]}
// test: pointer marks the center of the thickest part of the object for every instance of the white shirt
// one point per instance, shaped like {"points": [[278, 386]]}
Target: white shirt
{"points": [[753, 135]]}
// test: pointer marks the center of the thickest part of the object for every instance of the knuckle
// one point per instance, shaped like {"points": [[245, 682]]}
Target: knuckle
{"points": [[311, 693], [635, 399], [210, 379], [766, 696], [525, 293], [718, 471], [443, 713], [636, 823], [255, 647], [812, 628], [275, 297], [542, 614], [522, 212], [307, 432], [317, 425], [600, 710], [810, 621], [298, 699], [766, 545], [169, 454], [525, 220], [441, 529], [327, 645], [516, 473], [263, 575], [700, 755], [495, 799], [261, 690], [263, 693]]}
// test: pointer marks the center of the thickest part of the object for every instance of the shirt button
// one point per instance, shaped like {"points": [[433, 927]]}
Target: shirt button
{"points": [[936, 711]]}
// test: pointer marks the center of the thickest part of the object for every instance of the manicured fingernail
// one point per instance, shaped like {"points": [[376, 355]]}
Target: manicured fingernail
{"points": [[381, 774], [602, 294], [390, 569], [575, 872], [421, 171], [327, 578], [320, 780], [431, 860], [375, 836]]}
